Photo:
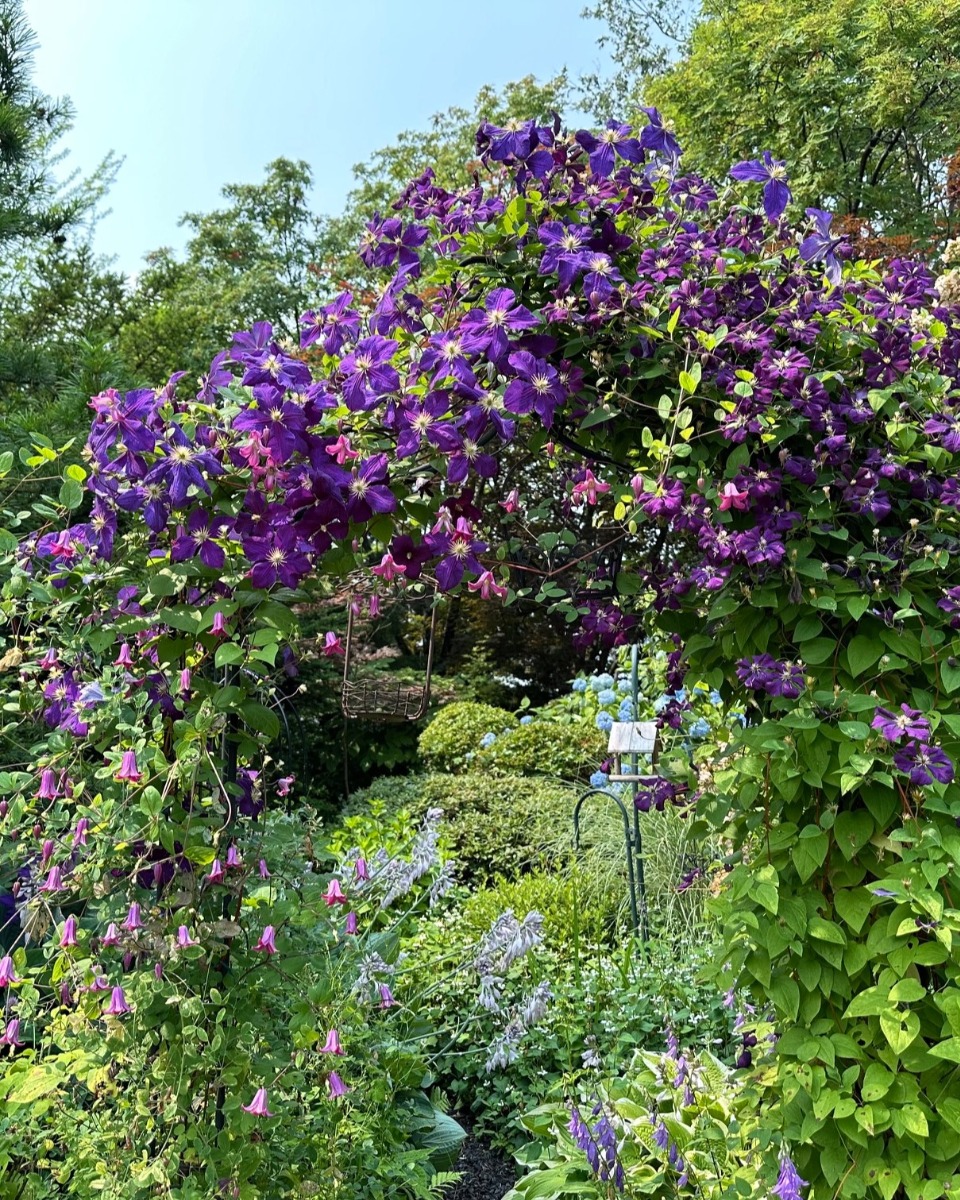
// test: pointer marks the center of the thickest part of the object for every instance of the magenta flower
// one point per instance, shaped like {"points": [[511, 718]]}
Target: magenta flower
{"points": [[218, 626], [7, 973], [266, 944], [336, 1085], [184, 939], [80, 833], [112, 936], [69, 935], [334, 894], [129, 772], [350, 926], [258, 1105], [360, 869], [332, 645], [49, 660], [332, 1044], [133, 918], [488, 587], [118, 1004], [387, 999], [49, 785], [11, 1035], [53, 881], [186, 680], [732, 497], [388, 570], [264, 871], [124, 658], [285, 784], [216, 872], [234, 861]]}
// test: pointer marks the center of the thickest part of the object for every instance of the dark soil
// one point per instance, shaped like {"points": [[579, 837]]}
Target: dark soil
{"points": [[486, 1174]]}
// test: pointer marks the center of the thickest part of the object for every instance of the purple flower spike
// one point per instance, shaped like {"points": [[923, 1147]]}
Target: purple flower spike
{"points": [[789, 1183]]}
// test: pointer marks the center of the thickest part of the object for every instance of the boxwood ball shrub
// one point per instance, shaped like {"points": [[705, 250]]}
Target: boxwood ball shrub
{"points": [[457, 732], [751, 441]]}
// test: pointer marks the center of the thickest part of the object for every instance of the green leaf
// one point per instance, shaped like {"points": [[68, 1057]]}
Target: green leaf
{"points": [[869, 1003], [900, 1029], [71, 494], [949, 1050], [854, 906], [826, 931], [261, 718], [863, 652], [227, 654], [950, 676], [852, 831], [687, 382], [809, 851]]}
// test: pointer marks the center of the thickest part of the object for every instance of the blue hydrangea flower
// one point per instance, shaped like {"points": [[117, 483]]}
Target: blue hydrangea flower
{"points": [[607, 696], [624, 687], [600, 682], [579, 685], [625, 712], [700, 728], [488, 739], [681, 694], [661, 702], [599, 779], [604, 721], [526, 720], [715, 697]]}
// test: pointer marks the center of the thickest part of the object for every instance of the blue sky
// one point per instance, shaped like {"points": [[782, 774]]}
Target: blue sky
{"points": [[198, 93]]}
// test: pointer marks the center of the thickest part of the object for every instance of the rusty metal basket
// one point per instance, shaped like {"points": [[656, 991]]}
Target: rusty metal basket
{"points": [[381, 699]]}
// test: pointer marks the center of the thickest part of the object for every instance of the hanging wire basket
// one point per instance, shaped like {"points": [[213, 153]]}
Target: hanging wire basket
{"points": [[379, 698]]}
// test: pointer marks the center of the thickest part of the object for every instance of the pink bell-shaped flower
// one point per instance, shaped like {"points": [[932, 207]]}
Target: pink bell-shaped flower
{"points": [[118, 1004], [7, 974], [112, 936], [258, 1105], [334, 893], [332, 1044], [69, 935], [129, 771], [266, 944], [336, 1085]]}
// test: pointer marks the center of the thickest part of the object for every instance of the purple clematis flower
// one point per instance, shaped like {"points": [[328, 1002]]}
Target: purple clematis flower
{"points": [[368, 489], [819, 246], [909, 722], [182, 466], [279, 423], [485, 329], [335, 324], [923, 764], [537, 387], [196, 539], [567, 250], [277, 558], [117, 1005], [657, 135], [772, 173], [367, 373], [614, 141]]}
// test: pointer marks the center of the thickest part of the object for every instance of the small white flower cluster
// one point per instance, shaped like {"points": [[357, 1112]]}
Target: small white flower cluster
{"points": [[508, 940], [371, 966]]}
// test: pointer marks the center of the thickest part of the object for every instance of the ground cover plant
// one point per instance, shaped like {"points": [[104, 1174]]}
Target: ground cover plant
{"points": [[752, 442]]}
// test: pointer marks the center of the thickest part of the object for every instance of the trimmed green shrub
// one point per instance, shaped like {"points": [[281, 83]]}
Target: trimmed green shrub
{"points": [[454, 735], [542, 748], [497, 825]]}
